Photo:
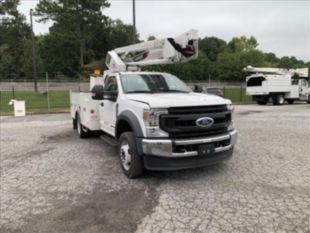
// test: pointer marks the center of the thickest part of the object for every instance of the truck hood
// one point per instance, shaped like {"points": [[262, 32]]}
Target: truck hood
{"points": [[166, 100]]}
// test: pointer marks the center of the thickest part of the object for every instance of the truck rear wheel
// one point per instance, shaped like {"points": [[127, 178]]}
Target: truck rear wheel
{"points": [[278, 99], [130, 161], [80, 129]]}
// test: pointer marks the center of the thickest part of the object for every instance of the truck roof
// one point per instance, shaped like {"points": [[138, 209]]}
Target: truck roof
{"points": [[301, 72], [279, 76]]}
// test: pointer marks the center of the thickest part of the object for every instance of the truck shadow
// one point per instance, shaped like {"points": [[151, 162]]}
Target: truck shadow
{"points": [[188, 174]]}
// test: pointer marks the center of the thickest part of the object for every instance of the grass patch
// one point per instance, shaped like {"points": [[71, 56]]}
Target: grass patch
{"points": [[35, 102], [60, 100], [237, 95]]}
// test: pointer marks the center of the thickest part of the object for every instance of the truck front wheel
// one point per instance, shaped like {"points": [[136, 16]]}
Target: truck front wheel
{"points": [[131, 162], [261, 102], [278, 99], [74, 124]]}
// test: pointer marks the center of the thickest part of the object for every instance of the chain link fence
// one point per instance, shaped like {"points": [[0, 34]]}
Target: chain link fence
{"points": [[54, 95]]}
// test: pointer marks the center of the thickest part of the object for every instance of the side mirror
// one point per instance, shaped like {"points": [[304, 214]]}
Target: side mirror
{"points": [[97, 92], [110, 95]]}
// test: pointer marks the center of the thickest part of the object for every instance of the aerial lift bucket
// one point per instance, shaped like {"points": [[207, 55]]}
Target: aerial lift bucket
{"points": [[155, 52]]}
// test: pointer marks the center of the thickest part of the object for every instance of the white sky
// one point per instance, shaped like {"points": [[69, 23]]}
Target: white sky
{"points": [[282, 27]]}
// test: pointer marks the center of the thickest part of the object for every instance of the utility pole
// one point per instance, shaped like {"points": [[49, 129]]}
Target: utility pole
{"points": [[33, 48], [134, 19]]}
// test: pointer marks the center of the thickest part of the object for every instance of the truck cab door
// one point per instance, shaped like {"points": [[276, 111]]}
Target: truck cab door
{"points": [[303, 89], [108, 107]]}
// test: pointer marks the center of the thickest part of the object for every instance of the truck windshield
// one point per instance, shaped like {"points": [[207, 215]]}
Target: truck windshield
{"points": [[152, 83]]}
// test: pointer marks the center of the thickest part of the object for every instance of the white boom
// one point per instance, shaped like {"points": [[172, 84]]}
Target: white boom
{"points": [[159, 51], [303, 72]]}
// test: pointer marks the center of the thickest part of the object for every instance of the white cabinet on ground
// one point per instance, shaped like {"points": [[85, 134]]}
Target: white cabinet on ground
{"points": [[19, 107]]}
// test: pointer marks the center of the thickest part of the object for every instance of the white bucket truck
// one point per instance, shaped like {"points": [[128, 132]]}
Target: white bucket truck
{"points": [[157, 122], [278, 84]]}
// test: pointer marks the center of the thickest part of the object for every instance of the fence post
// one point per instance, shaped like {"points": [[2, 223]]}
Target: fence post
{"points": [[224, 90], [47, 93], [241, 94], [79, 83], [13, 92]]}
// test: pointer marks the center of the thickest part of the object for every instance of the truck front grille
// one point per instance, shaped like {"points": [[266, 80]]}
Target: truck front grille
{"points": [[180, 122]]}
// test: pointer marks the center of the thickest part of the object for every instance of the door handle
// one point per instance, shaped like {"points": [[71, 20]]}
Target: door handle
{"points": [[101, 104]]}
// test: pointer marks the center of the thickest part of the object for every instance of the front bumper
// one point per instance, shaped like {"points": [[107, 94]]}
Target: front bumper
{"points": [[160, 154], [157, 163], [169, 148]]}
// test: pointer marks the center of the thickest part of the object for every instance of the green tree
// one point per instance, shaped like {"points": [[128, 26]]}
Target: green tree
{"points": [[73, 20], [286, 62], [119, 34], [243, 44], [9, 7], [271, 58], [59, 56], [26, 60], [14, 32], [112, 35], [212, 46], [230, 65]]}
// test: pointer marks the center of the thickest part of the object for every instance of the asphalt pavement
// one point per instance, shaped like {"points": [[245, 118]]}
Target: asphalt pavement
{"points": [[52, 181]]}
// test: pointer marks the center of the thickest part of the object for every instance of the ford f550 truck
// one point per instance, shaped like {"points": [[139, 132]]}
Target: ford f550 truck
{"points": [[157, 122]]}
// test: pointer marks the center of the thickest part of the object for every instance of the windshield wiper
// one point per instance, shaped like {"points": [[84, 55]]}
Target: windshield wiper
{"points": [[141, 91]]}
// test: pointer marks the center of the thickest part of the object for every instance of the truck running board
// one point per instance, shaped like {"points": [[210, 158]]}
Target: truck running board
{"points": [[108, 139]]}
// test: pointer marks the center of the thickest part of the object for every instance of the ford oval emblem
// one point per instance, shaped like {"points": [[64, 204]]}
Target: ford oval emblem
{"points": [[204, 122]]}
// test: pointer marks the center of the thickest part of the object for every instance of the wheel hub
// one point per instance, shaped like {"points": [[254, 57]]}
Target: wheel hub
{"points": [[125, 156], [78, 126]]}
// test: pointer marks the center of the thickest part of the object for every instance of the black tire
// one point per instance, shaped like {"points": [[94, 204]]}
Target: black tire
{"points": [[290, 101], [261, 102], [278, 99], [74, 124], [308, 102], [82, 133], [134, 168]]}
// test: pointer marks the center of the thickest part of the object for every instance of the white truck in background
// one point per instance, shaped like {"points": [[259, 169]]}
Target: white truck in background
{"points": [[278, 84], [156, 121]]}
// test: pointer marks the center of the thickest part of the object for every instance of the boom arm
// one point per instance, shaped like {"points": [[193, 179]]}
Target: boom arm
{"points": [[303, 72], [159, 51]]}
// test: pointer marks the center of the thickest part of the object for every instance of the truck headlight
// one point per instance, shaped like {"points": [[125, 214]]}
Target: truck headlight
{"points": [[230, 107], [151, 121], [231, 126]]}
